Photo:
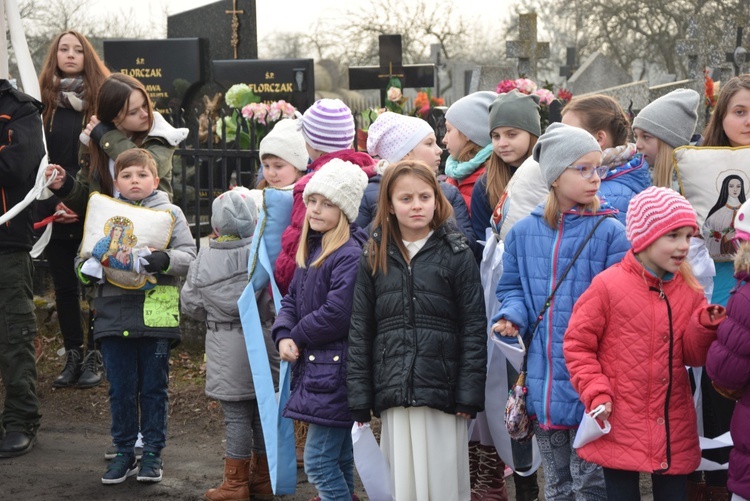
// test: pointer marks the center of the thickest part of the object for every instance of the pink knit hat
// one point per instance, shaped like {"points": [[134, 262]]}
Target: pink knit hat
{"points": [[653, 213], [328, 125], [392, 135], [742, 223]]}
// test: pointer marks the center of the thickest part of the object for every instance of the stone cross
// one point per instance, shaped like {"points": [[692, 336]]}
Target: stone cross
{"points": [[527, 50], [570, 63], [696, 51], [377, 77], [235, 26]]}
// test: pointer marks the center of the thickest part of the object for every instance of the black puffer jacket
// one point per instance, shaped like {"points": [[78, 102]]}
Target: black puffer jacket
{"points": [[418, 333]]}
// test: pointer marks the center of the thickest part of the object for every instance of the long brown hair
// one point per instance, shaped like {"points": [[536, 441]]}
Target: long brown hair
{"points": [[94, 73], [599, 112], [112, 100], [390, 231], [713, 134], [499, 174]]}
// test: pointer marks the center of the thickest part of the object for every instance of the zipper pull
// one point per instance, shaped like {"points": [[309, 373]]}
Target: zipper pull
{"points": [[661, 290]]}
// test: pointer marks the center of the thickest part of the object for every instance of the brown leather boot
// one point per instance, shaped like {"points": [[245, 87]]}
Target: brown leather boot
{"points": [[260, 478], [235, 486], [300, 437], [491, 476]]}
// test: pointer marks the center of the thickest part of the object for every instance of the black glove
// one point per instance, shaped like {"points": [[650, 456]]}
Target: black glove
{"points": [[158, 261]]}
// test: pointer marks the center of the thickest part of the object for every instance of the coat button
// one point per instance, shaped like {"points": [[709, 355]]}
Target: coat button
{"points": [[106, 145], [336, 358], [666, 339], [413, 402], [311, 357], [664, 380], [660, 420], [664, 465], [125, 333]]}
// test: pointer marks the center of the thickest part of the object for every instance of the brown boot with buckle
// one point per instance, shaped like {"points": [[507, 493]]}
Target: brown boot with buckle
{"points": [[260, 478], [235, 486], [491, 476]]}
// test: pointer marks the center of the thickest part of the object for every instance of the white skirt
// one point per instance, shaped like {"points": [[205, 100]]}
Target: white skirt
{"points": [[428, 454]]}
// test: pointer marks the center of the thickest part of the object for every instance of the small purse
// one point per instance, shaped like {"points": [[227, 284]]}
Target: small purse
{"points": [[517, 419]]}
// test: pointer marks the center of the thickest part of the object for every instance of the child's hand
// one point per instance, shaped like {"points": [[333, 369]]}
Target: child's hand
{"points": [[90, 126], [505, 328], [67, 216], [288, 350], [463, 415], [57, 183], [717, 312], [606, 413]]}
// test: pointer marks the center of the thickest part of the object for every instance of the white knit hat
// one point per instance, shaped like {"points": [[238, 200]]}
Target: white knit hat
{"points": [[471, 114], [234, 213], [286, 142], [341, 182], [392, 135], [328, 125]]}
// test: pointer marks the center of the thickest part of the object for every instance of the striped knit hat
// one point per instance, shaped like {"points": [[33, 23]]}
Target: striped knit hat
{"points": [[392, 136], [653, 213], [328, 125]]}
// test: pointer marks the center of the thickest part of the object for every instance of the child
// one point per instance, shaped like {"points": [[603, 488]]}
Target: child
{"points": [[312, 327], [604, 119], [515, 128], [124, 120], [537, 250], [70, 78], [662, 126], [417, 343], [283, 155], [215, 282], [467, 139], [394, 137], [728, 363], [627, 344], [134, 346]]}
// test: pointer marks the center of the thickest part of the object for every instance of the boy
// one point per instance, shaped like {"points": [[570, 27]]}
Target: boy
{"points": [[137, 328]]}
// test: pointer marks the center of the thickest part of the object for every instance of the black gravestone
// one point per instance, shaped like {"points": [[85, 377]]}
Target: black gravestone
{"points": [[171, 70], [292, 80], [229, 25]]}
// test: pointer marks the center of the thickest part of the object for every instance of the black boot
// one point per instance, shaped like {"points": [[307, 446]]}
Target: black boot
{"points": [[92, 370], [527, 488], [72, 370]]}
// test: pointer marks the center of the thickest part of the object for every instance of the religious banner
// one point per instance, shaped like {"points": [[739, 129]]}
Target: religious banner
{"points": [[716, 181]]}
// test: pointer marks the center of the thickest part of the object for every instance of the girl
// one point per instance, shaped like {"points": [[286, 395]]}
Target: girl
{"points": [[394, 137], [514, 130], [215, 281], [283, 155], [417, 343], [467, 139], [69, 81], [662, 126], [313, 325], [728, 362], [604, 119], [124, 120], [630, 337], [537, 250]]}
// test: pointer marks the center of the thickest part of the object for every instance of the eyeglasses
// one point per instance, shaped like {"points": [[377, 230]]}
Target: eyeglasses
{"points": [[588, 170]]}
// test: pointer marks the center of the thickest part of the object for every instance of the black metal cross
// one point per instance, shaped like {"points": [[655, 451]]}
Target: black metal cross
{"points": [[739, 56], [570, 63]]}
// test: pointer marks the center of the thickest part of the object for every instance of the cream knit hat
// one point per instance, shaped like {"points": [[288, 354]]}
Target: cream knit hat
{"points": [[286, 142], [341, 182]]}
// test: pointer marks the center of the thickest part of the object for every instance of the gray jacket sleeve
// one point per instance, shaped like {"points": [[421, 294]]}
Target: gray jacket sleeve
{"points": [[191, 303], [181, 249]]}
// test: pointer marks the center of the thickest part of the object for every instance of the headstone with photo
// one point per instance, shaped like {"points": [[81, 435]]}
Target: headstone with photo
{"points": [[597, 72], [171, 70], [527, 50]]}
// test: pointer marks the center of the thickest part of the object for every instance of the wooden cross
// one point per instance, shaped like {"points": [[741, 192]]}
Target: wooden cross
{"points": [[570, 63], [377, 77], [235, 41], [527, 50]]}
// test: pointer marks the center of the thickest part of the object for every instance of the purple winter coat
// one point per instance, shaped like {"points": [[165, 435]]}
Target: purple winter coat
{"points": [[728, 365], [315, 314]]}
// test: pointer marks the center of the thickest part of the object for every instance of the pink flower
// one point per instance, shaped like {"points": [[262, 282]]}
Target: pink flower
{"points": [[274, 111], [505, 86], [545, 96], [248, 111], [525, 85], [394, 94]]}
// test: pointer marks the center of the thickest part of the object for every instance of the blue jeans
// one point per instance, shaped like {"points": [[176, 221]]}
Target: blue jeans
{"points": [[138, 374], [329, 462]]}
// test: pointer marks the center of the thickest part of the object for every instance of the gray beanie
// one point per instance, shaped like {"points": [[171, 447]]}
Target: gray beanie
{"points": [[469, 115], [518, 110], [234, 213], [559, 147], [671, 118], [341, 182]]}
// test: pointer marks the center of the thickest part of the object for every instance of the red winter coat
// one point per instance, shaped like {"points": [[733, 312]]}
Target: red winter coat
{"points": [[466, 185], [619, 346], [285, 263]]}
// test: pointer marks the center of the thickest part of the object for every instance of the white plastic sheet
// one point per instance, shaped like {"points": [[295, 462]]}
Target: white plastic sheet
{"points": [[371, 465]]}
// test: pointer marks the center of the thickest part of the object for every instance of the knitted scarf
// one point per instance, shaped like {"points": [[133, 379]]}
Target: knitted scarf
{"points": [[72, 93], [461, 170], [619, 155]]}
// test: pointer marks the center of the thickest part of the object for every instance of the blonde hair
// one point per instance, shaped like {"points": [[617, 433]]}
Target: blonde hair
{"points": [[499, 173], [663, 164], [742, 257], [377, 253], [332, 240], [686, 271], [552, 209]]}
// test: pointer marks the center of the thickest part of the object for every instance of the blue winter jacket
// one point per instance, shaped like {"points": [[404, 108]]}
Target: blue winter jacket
{"points": [[315, 314], [535, 257], [624, 182]]}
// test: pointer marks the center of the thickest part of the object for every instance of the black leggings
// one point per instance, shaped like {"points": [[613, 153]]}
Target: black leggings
{"points": [[624, 486]]}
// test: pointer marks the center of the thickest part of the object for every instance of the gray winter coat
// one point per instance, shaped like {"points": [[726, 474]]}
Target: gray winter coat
{"points": [[214, 283]]}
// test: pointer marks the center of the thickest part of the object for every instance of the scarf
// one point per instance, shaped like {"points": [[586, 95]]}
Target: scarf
{"points": [[461, 170], [619, 155], [72, 93]]}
